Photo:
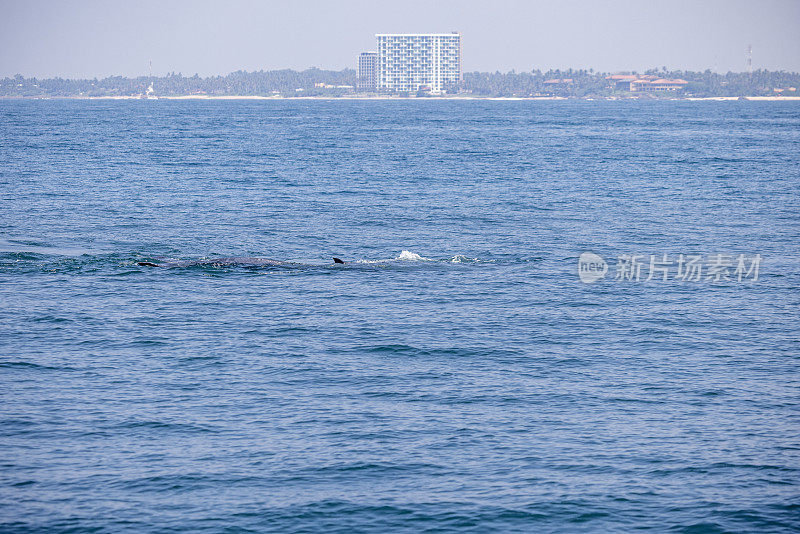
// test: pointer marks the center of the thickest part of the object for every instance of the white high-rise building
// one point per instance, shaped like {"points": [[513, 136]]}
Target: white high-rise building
{"points": [[409, 62], [367, 78]]}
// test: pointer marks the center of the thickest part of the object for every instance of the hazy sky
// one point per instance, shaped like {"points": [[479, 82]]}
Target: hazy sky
{"points": [[81, 38]]}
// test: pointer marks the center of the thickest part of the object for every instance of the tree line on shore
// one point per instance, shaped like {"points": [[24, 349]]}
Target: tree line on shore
{"points": [[567, 83]]}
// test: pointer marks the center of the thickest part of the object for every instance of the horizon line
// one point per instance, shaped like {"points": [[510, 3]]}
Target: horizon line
{"points": [[512, 71]]}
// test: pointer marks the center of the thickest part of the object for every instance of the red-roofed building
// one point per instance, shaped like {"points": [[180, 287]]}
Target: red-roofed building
{"points": [[658, 85], [622, 82], [645, 83]]}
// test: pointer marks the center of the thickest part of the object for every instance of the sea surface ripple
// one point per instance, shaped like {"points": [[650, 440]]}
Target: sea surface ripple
{"points": [[454, 375]]}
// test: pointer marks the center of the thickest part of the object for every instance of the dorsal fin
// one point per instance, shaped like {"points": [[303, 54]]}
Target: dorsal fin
{"points": [[337, 260]]}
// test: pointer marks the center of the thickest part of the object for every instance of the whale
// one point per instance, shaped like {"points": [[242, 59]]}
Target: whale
{"points": [[234, 261]]}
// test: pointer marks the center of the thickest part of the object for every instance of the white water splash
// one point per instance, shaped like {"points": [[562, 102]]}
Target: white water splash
{"points": [[407, 255]]}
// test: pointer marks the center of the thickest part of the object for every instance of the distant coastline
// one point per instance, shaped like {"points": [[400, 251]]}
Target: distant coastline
{"points": [[329, 84], [671, 98]]}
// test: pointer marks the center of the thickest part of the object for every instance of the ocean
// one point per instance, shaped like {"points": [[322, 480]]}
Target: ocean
{"points": [[552, 317]]}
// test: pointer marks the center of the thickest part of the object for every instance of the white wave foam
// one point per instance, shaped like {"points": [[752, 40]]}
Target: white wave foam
{"points": [[407, 255]]}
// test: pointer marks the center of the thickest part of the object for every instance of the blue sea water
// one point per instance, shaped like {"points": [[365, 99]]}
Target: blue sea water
{"points": [[454, 375]]}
